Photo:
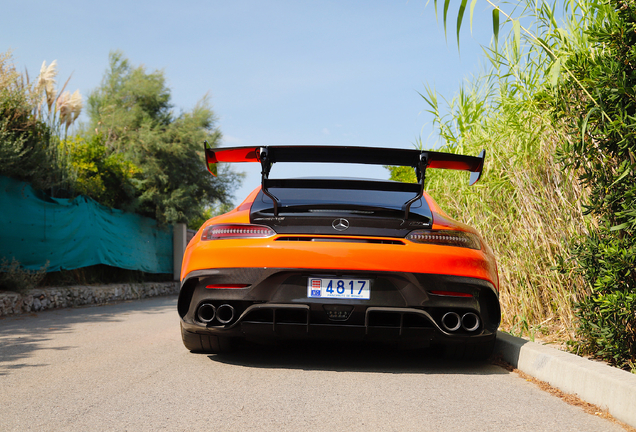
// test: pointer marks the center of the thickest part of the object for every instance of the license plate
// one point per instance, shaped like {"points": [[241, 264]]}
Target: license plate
{"points": [[339, 288]]}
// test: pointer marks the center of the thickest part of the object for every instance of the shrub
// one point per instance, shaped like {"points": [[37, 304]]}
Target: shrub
{"points": [[607, 316], [597, 103], [15, 278], [103, 175]]}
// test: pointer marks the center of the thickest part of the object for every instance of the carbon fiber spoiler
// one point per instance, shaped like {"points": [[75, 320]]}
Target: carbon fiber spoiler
{"points": [[420, 160]]}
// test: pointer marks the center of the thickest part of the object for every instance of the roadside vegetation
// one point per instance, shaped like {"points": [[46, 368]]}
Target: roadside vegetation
{"points": [[555, 110], [14, 278], [28, 124], [134, 153]]}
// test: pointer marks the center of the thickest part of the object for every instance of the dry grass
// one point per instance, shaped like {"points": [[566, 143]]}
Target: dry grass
{"points": [[46, 82], [8, 74], [527, 207]]}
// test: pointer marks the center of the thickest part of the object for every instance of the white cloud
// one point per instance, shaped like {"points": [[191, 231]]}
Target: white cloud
{"points": [[325, 131]]}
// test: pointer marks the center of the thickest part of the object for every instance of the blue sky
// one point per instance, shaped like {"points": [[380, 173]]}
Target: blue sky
{"points": [[277, 72]]}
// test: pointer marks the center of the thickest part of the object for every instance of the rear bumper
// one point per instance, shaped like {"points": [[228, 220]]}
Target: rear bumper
{"points": [[275, 305], [394, 330]]}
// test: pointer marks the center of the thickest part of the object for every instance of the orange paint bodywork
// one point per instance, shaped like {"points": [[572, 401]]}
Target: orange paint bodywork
{"points": [[409, 257]]}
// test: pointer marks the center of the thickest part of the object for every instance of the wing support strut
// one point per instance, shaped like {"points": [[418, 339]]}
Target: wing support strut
{"points": [[266, 166], [420, 172]]}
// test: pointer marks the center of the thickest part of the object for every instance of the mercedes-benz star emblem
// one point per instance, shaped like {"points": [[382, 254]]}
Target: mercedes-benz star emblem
{"points": [[340, 224]]}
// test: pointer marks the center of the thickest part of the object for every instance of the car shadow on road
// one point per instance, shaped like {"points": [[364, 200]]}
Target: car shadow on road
{"points": [[348, 357], [24, 334]]}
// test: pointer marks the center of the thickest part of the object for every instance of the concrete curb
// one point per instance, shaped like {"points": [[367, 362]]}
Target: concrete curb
{"points": [[609, 388]]}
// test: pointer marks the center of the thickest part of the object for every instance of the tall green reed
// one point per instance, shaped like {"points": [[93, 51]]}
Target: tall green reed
{"points": [[527, 205]]}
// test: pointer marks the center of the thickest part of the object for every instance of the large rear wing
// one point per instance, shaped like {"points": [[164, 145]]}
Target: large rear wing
{"points": [[420, 160]]}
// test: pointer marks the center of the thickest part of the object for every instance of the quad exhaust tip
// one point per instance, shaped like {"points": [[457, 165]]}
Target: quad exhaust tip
{"points": [[206, 312], [451, 321], [225, 313], [470, 321]]}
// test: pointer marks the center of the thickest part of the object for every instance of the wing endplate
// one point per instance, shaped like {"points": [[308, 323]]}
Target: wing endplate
{"points": [[474, 164], [232, 154]]}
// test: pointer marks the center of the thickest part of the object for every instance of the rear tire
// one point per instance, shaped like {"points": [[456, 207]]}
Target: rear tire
{"points": [[206, 344]]}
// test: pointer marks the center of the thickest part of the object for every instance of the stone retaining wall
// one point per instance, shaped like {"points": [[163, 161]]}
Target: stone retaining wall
{"points": [[40, 299]]}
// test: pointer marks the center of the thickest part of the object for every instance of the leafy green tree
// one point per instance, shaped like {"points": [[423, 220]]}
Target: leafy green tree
{"points": [[132, 111]]}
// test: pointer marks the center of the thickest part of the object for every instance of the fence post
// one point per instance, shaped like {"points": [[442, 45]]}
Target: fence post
{"points": [[179, 243]]}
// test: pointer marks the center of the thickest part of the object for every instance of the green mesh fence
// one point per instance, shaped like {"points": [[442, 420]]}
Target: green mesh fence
{"points": [[69, 234]]}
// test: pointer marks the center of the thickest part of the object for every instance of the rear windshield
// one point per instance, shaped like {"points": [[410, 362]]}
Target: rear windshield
{"points": [[342, 198]]}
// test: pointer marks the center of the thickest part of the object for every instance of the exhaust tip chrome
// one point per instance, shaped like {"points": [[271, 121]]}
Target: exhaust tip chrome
{"points": [[470, 321], [225, 313], [451, 321], [206, 312]]}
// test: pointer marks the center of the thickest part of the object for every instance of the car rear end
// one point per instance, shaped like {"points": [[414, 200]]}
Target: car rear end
{"points": [[339, 264]]}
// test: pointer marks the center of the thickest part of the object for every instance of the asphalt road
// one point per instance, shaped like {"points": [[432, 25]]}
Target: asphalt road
{"points": [[123, 367]]}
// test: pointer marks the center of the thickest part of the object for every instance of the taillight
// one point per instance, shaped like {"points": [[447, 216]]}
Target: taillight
{"points": [[236, 231], [445, 238]]}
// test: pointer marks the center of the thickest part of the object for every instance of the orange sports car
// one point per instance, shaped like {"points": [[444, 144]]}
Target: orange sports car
{"points": [[340, 259]]}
